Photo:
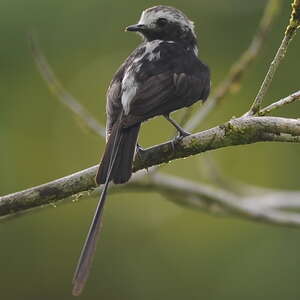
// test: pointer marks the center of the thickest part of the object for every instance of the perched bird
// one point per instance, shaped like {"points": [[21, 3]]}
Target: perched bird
{"points": [[161, 75]]}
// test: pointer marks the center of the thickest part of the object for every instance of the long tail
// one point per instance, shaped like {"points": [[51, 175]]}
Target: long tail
{"points": [[116, 165]]}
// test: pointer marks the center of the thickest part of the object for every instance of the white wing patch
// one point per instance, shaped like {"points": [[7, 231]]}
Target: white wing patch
{"points": [[129, 83], [150, 52], [129, 87], [150, 49], [195, 49]]}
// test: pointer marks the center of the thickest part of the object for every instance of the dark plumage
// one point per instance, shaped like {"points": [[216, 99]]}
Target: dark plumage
{"points": [[162, 75]]}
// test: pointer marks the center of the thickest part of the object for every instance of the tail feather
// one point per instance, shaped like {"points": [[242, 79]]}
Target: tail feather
{"points": [[122, 168], [116, 165], [89, 247], [106, 158]]}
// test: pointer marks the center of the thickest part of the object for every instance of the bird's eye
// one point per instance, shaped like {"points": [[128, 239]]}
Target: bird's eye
{"points": [[161, 22]]}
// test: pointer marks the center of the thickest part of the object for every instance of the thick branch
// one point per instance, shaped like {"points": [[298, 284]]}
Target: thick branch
{"points": [[235, 132], [238, 131]]}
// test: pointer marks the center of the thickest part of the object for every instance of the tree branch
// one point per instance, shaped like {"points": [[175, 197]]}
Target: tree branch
{"points": [[287, 100], [240, 131], [264, 207], [221, 202]]}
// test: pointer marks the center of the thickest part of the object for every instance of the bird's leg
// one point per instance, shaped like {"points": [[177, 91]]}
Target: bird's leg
{"points": [[181, 132]]}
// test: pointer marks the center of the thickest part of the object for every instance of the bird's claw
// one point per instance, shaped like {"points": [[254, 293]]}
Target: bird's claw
{"points": [[183, 134], [177, 139]]}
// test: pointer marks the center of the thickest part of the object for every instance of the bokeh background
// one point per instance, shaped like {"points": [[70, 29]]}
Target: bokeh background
{"points": [[150, 248]]}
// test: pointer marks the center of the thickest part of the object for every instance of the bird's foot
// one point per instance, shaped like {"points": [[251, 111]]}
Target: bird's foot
{"points": [[177, 139], [182, 133]]}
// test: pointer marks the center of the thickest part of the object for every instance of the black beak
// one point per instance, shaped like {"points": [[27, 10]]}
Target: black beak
{"points": [[136, 27]]}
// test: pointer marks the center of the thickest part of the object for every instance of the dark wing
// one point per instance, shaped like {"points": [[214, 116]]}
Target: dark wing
{"points": [[177, 79]]}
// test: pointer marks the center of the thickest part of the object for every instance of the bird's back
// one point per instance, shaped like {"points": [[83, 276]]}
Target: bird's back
{"points": [[158, 77]]}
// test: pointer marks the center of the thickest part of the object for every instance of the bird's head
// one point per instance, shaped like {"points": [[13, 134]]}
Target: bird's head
{"points": [[165, 23]]}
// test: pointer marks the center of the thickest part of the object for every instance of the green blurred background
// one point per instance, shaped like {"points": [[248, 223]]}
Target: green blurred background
{"points": [[150, 248]]}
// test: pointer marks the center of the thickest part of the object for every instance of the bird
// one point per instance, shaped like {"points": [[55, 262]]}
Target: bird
{"points": [[163, 74]]}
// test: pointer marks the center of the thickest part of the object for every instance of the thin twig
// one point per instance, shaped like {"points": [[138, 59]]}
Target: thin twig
{"points": [[287, 100], [221, 202], [295, 17], [281, 52], [238, 69], [61, 93]]}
